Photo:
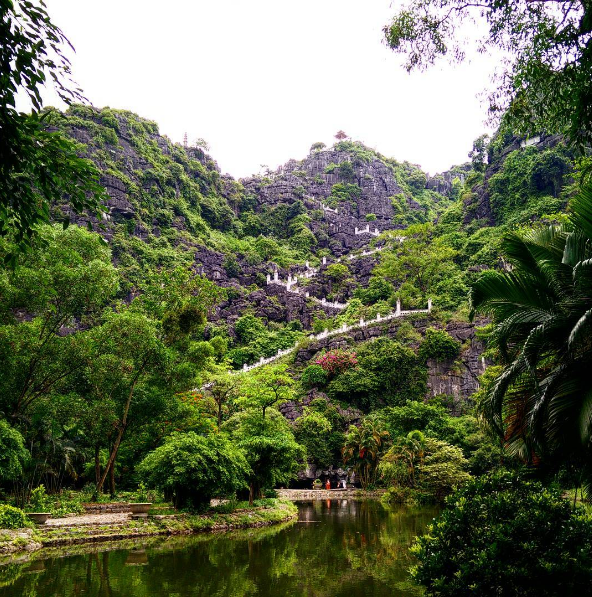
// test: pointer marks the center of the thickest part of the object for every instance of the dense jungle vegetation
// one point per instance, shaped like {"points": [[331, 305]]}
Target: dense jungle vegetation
{"points": [[135, 294], [107, 333]]}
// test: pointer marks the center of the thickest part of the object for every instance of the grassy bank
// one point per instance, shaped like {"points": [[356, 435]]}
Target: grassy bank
{"points": [[266, 513]]}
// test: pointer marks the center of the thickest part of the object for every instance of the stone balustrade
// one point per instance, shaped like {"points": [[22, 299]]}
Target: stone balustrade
{"points": [[367, 230], [342, 330], [329, 333], [327, 208], [291, 286]]}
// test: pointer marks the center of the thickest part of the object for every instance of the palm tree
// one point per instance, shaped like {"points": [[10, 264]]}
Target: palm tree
{"points": [[541, 404], [403, 458], [363, 447]]}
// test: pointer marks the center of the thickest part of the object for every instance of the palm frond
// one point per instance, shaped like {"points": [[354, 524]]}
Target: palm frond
{"points": [[581, 330], [581, 212]]}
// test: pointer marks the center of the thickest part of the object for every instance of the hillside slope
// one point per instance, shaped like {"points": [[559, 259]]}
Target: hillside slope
{"points": [[326, 227]]}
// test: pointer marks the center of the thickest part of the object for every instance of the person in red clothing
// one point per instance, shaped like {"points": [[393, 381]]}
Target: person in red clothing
{"points": [[328, 484]]}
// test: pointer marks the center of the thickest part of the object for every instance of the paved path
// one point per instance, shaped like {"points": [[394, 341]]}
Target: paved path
{"points": [[89, 519], [326, 494]]}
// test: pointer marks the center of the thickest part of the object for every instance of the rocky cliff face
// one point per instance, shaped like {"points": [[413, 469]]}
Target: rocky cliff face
{"points": [[477, 204], [173, 199], [458, 379], [372, 180]]}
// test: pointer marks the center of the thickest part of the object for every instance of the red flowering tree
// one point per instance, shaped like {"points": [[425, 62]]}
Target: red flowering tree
{"points": [[337, 361]]}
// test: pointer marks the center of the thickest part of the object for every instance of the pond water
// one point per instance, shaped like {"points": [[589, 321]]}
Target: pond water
{"points": [[337, 547]]}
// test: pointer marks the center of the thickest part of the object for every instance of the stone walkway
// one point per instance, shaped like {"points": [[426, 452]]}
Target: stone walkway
{"points": [[89, 519], [326, 494]]}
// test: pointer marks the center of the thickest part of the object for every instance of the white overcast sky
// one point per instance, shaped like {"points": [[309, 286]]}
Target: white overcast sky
{"points": [[261, 80]]}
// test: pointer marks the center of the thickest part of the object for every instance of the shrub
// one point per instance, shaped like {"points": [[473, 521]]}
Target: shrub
{"points": [[442, 469], [337, 272], [318, 146], [303, 240], [417, 180], [269, 445], [411, 416], [439, 345], [39, 500], [231, 266], [12, 518], [398, 495], [220, 345], [346, 171], [249, 328], [337, 361], [194, 469], [370, 217], [504, 535], [13, 454], [378, 289], [314, 376], [267, 248], [344, 192], [312, 430], [388, 374], [299, 191]]}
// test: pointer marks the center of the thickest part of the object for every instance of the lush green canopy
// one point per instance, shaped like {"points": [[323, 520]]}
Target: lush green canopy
{"points": [[542, 312], [195, 469], [37, 166], [547, 80]]}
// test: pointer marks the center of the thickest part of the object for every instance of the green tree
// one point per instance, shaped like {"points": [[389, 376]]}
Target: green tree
{"points": [[399, 465], [67, 278], [312, 430], [313, 376], [411, 416], [547, 80], [439, 345], [387, 374], [224, 390], [270, 448], [540, 403], [266, 387], [194, 469], [443, 468], [249, 328], [267, 248], [364, 447], [37, 166], [13, 454], [337, 272], [478, 154], [130, 352], [378, 289], [505, 535], [424, 262], [178, 295]]}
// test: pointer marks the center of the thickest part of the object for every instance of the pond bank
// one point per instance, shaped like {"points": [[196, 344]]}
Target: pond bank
{"points": [[345, 547], [180, 524], [295, 495]]}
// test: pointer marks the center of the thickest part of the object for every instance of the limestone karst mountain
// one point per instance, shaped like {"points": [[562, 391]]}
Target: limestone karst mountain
{"points": [[338, 212]]}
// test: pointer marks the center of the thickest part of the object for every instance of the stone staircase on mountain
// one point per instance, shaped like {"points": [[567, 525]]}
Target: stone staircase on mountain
{"points": [[291, 286]]}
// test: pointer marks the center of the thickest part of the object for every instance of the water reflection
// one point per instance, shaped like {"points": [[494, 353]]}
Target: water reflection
{"points": [[340, 547]]}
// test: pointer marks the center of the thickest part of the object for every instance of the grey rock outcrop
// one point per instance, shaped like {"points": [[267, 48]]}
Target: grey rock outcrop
{"points": [[309, 181], [457, 379]]}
